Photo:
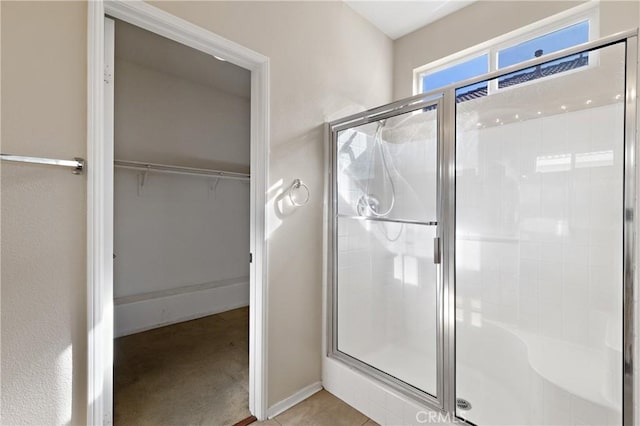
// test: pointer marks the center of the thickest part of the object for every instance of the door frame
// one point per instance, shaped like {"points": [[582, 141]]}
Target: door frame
{"points": [[100, 184]]}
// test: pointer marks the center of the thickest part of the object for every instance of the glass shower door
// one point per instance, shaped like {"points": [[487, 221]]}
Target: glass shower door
{"points": [[539, 239], [386, 282]]}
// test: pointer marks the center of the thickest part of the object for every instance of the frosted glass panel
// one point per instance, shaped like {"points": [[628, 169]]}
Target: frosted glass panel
{"points": [[386, 278], [387, 298], [388, 168], [539, 187]]}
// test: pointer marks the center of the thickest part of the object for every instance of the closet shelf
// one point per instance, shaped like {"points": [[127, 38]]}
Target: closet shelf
{"points": [[165, 168]]}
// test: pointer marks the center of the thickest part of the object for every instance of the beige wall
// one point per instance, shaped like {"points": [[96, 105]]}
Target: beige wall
{"points": [[483, 21], [325, 60], [43, 303]]}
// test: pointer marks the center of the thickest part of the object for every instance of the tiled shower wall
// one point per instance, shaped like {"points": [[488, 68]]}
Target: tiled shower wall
{"points": [[539, 215], [539, 256]]}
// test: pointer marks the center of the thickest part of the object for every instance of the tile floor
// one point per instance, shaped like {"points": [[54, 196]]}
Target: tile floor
{"points": [[159, 379], [321, 409]]}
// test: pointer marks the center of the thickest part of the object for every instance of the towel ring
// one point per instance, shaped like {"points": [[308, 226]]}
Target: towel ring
{"points": [[297, 184]]}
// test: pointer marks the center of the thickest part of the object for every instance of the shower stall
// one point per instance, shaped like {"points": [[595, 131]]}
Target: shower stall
{"points": [[481, 247]]}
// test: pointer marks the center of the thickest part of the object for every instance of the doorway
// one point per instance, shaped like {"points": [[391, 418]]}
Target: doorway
{"points": [[100, 191], [181, 235]]}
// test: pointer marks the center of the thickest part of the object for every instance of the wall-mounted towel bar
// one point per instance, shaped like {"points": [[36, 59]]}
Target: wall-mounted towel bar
{"points": [[77, 164], [138, 165]]}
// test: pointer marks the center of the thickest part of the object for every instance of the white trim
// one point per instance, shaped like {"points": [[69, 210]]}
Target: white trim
{"points": [[137, 313], [175, 291], [259, 282], [99, 262], [588, 11], [296, 398], [150, 18], [100, 197]]}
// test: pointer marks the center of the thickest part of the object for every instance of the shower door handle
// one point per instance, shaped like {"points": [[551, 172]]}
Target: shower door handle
{"points": [[437, 255]]}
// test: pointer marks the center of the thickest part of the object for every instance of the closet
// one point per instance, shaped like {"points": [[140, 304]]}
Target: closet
{"points": [[181, 233]]}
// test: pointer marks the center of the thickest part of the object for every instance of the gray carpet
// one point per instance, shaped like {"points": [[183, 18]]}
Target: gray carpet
{"points": [[192, 373]]}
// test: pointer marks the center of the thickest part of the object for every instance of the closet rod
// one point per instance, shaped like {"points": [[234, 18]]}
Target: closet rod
{"points": [[138, 165]]}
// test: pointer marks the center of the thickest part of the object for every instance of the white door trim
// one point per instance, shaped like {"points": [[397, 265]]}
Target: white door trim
{"points": [[100, 197]]}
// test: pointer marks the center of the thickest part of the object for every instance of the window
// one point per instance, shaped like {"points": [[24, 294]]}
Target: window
{"points": [[459, 72], [548, 43], [545, 44], [571, 28]]}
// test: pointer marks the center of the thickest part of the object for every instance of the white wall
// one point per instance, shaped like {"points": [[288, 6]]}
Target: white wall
{"points": [[181, 230], [169, 119], [325, 60], [182, 249], [180, 241]]}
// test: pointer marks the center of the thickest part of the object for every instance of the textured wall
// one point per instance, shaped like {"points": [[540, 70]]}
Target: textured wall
{"points": [[43, 214]]}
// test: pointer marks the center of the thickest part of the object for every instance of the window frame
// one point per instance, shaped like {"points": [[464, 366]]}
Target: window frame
{"points": [[588, 12], [451, 61]]}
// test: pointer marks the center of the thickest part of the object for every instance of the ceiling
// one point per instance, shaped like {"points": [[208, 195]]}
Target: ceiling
{"points": [[398, 18], [133, 44]]}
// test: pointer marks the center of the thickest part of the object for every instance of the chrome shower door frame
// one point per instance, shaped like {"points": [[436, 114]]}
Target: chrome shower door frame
{"points": [[445, 99], [371, 116], [630, 229]]}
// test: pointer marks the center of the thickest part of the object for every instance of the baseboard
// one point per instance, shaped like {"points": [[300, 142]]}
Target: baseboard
{"points": [[134, 314], [294, 399]]}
